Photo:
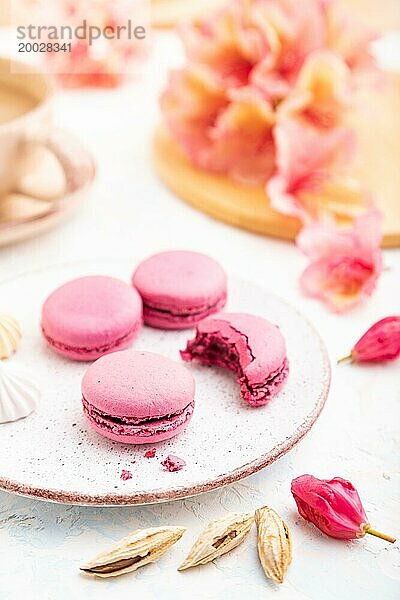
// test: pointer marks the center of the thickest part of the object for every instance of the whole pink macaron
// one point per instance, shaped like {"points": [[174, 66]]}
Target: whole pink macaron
{"points": [[91, 316], [179, 288], [137, 397], [250, 346]]}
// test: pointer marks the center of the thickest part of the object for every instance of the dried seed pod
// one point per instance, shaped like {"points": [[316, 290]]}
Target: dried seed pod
{"points": [[218, 538], [141, 547], [274, 543]]}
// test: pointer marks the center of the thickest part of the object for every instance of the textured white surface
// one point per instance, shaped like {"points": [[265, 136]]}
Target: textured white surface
{"points": [[224, 435], [42, 544]]}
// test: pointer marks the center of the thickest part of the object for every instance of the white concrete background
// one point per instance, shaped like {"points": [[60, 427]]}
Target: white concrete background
{"points": [[129, 211]]}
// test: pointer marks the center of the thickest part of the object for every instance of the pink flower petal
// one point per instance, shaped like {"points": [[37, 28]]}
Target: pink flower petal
{"points": [[368, 230], [304, 150], [321, 94], [345, 263], [243, 138], [295, 29], [321, 240], [306, 161], [224, 133], [341, 283], [281, 199]]}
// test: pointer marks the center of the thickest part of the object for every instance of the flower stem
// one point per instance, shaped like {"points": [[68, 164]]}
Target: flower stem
{"points": [[347, 358], [378, 534]]}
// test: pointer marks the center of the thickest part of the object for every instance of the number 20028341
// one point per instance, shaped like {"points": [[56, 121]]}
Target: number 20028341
{"points": [[43, 47]]}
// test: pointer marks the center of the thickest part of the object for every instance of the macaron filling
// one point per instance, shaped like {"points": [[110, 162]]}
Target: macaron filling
{"points": [[189, 314], [85, 350], [215, 349], [137, 426]]}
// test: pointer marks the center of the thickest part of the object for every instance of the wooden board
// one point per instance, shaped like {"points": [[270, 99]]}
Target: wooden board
{"points": [[377, 166], [383, 15], [167, 13]]}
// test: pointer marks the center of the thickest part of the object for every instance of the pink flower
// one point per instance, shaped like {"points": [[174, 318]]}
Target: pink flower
{"points": [[102, 62], [251, 67], [215, 109], [345, 263], [380, 343], [229, 42], [222, 131], [293, 29], [321, 95], [308, 182], [334, 506]]}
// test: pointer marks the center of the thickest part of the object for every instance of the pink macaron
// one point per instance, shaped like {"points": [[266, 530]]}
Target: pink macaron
{"points": [[250, 346], [91, 316], [137, 397], [179, 288]]}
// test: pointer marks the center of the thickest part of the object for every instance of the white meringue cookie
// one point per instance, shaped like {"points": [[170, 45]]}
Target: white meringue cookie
{"points": [[19, 394], [10, 335]]}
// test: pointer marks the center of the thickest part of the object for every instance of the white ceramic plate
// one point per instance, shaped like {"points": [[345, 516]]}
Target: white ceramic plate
{"points": [[54, 455]]}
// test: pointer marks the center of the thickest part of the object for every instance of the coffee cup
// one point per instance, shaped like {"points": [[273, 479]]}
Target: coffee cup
{"points": [[26, 125]]}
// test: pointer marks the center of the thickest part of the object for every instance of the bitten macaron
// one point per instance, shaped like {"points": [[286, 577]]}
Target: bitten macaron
{"points": [[137, 397], [250, 346], [179, 288], [91, 316]]}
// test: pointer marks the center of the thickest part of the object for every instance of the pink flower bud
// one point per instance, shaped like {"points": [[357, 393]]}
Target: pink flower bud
{"points": [[334, 506], [380, 343]]}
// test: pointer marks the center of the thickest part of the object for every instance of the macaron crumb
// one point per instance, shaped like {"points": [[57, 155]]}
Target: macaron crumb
{"points": [[150, 453], [173, 463], [125, 475]]}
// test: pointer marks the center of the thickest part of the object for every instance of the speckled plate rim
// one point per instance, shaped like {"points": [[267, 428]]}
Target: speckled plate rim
{"points": [[180, 492]]}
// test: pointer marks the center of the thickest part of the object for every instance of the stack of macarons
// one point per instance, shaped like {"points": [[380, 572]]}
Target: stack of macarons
{"points": [[179, 289], [140, 397]]}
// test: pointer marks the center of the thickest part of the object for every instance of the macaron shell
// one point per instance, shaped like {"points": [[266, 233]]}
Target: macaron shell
{"points": [[138, 384], [87, 354], [180, 280], [260, 344], [89, 316]]}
